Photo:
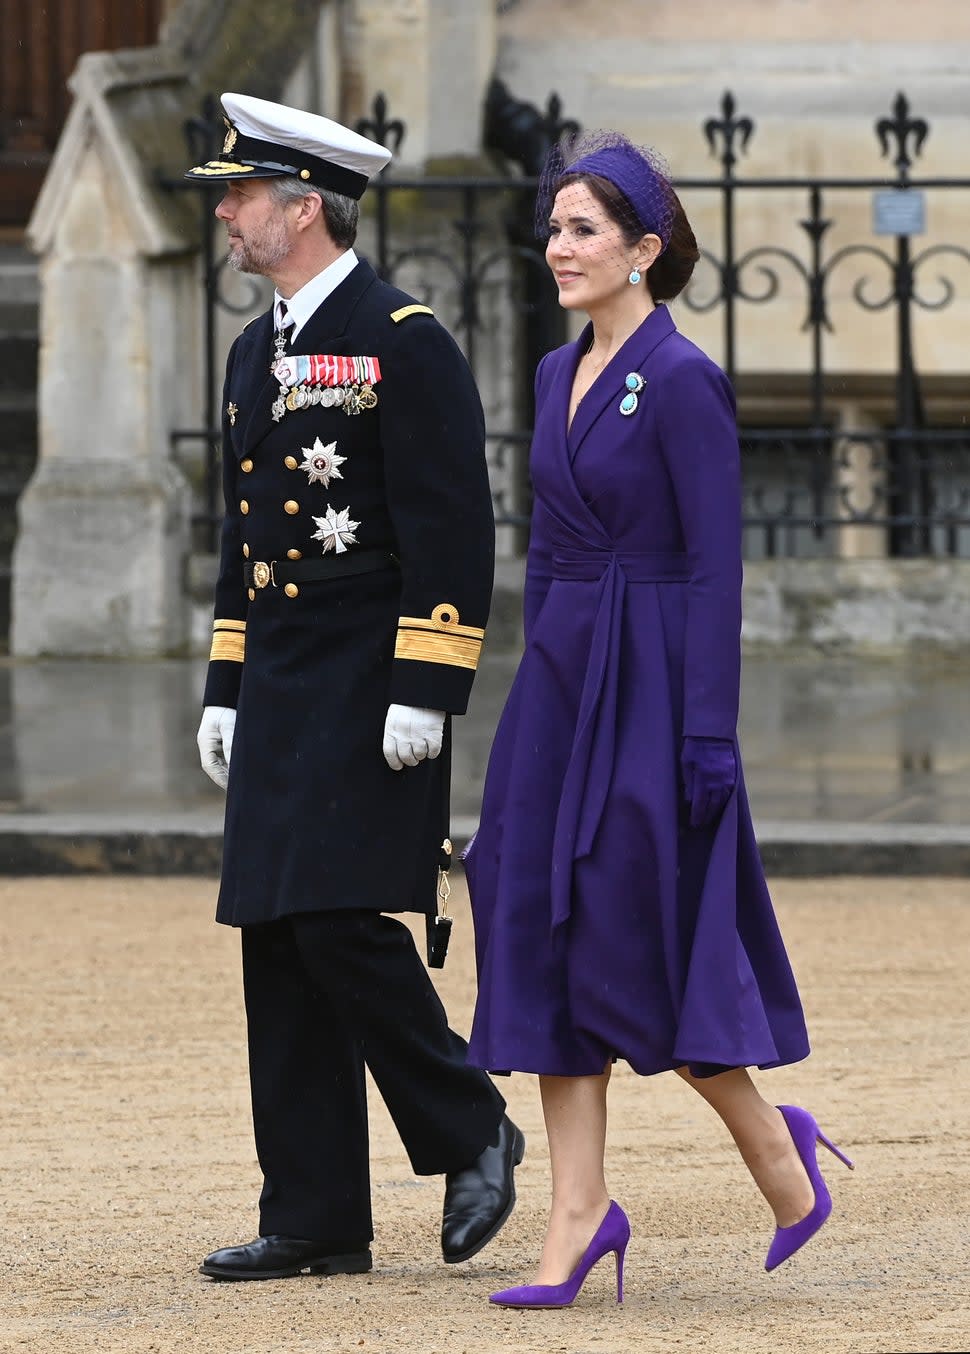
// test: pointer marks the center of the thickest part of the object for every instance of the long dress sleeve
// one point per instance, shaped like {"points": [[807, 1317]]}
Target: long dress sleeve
{"points": [[698, 433]]}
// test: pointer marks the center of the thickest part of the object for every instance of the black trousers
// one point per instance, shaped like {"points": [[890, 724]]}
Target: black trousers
{"points": [[327, 993]]}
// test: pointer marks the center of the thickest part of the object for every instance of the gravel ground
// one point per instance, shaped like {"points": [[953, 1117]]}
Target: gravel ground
{"points": [[127, 1153]]}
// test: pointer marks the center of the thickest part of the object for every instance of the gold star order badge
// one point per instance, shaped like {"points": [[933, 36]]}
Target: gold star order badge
{"points": [[230, 140], [232, 410]]}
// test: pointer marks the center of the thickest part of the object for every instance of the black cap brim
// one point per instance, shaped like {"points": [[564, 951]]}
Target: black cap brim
{"points": [[256, 159], [220, 170]]}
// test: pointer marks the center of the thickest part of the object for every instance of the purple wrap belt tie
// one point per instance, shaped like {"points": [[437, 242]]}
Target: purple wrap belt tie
{"points": [[589, 770]]}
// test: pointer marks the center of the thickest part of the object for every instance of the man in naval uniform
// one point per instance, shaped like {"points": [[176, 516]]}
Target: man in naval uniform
{"points": [[353, 590]]}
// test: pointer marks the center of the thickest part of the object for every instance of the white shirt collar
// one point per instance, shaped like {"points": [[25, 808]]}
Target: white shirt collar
{"points": [[312, 294]]}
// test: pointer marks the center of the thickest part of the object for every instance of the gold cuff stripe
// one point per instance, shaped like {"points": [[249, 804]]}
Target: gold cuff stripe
{"points": [[228, 647], [441, 627], [228, 625], [455, 651], [398, 315]]}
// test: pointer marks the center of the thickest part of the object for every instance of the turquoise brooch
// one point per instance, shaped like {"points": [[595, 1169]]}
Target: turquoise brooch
{"points": [[634, 384]]}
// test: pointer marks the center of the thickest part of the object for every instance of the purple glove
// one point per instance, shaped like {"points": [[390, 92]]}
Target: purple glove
{"points": [[710, 771]]}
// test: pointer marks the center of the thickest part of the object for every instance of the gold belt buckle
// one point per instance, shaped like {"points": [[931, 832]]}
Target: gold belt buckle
{"points": [[263, 573]]}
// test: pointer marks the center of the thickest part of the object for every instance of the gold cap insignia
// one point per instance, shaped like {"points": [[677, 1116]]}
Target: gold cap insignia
{"points": [[230, 141]]}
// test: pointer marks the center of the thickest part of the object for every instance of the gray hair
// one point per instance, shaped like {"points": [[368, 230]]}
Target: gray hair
{"points": [[341, 214]]}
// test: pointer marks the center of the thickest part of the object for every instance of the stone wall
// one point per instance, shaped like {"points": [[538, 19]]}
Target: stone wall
{"points": [[869, 606], [814, 75], [104, 538], [877, 607]]}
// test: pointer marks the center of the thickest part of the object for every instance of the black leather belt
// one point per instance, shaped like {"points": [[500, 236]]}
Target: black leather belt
{"points": [[259, 573]]}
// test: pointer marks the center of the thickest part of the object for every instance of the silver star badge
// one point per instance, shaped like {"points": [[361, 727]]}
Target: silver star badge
{"points": [[322, 463]]}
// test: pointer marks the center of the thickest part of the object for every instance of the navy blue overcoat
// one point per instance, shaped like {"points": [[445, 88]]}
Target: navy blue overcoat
{"points": [[315, 818]]}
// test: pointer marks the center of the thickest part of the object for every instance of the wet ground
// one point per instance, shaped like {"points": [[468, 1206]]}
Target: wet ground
{"points": [[825, 740]]}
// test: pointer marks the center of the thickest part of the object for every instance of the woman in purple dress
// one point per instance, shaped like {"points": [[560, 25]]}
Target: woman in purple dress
{"points": [[619, 901]]}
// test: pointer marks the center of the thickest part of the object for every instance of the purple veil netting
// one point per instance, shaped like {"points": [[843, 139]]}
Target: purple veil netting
{"points": [[638, 172]]}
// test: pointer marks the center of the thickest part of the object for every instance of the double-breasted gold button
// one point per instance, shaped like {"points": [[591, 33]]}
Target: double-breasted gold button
{"points": [[252, 594], [246, 466], [244, 507], [292, 590], [294, 554], [245, 550], [291, 506], [291, 463]]}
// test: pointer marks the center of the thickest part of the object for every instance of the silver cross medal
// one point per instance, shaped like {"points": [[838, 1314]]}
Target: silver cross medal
{"points": [[279, 404]]}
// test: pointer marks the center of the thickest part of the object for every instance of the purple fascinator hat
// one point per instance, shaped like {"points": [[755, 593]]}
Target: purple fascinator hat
{"points": [[637, 171]]}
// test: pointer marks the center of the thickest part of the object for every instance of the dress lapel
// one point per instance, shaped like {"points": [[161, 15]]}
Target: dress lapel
{"points": [[609, 386], [552, 471]]}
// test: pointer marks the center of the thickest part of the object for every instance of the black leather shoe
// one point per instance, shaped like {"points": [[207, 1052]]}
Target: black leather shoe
{"points": [[480, 1197], [282, 1257]]}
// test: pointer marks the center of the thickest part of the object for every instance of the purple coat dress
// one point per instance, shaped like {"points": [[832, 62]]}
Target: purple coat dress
{"points": [[605, 926]]}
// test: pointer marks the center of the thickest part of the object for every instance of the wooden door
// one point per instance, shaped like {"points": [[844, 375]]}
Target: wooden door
{"points": [[39, 48]]}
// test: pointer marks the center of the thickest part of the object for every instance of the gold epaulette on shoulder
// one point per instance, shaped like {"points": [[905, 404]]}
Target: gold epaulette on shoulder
{"points": [[228, 641], [439, 639], [398, 315]]}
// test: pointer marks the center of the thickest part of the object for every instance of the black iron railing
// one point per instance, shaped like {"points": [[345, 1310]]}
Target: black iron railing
{"points": [[458, 242]]}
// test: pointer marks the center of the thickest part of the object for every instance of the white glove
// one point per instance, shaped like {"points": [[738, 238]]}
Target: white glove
{"points": [[215, 742], [411, 734]]}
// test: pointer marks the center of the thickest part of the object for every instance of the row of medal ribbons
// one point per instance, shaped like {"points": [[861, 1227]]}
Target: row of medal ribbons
{"points": [[326, 369]]}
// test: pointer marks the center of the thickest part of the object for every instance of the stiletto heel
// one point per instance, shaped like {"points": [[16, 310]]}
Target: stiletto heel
{"points": [[805, 1134], [836, 1151], [613, 1234]]}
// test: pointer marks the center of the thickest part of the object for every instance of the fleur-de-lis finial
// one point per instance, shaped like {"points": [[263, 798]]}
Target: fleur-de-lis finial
{"points": [[555, 125], [902, 129], [385, 131], [730, 129]]}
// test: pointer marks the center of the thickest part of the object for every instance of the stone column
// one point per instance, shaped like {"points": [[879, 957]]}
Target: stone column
{"points": [[104, 530], [432, 59], [384, 50], [463, 44]]}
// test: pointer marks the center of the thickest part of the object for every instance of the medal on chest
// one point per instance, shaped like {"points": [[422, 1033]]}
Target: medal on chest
{"points": [[325, 379]]}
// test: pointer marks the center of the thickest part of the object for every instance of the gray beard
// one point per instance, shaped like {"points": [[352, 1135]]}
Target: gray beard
{"points": [[263, 255]]}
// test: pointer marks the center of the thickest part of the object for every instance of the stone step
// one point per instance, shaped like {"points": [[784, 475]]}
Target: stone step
{"points": [[175, 843]]}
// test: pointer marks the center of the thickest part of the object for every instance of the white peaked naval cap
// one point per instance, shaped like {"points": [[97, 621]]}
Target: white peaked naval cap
{"points": [[266, 139]]}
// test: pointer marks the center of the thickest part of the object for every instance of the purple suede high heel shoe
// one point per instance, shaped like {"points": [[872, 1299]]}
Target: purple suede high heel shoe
{"points": [[805, 1134], [613, 1234]]}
